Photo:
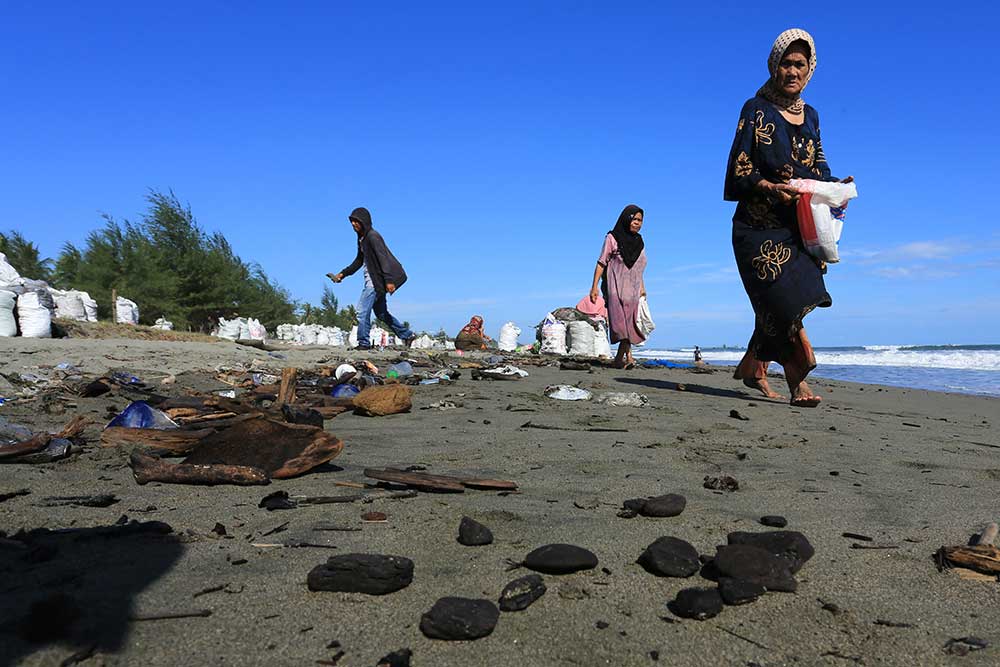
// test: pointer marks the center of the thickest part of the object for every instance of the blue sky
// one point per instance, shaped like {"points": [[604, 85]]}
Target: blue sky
{"points": [[495, 146]]}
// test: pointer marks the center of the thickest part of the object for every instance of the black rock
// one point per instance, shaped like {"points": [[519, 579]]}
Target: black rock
{"points": [[278, 500], [670, 557], [373, 574], [560, 559], [473, 534], [696, 603], [459, 619], [774, 521], [738, 591], [750, 563], [667, 505], [520, 593], [400, 658], [790, 545], [722, 483], [294, 415]]}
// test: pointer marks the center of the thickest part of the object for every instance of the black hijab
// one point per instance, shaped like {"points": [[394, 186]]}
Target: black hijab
{"points": [[630, 244]]}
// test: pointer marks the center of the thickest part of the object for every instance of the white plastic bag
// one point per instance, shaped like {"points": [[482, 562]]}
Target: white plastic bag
{"points": [[8, 274], [163, 324], [643, 318], [8, 325], [508, 337], [126, 312], [565, 392], [581, 339], [821, 216], [34, 319], [256, 330]]}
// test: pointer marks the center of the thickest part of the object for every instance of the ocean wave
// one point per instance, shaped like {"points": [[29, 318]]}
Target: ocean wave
{"points": [[980, 358]]}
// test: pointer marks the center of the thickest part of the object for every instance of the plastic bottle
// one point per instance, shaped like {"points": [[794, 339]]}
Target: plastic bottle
{"points": [[401, 370]]}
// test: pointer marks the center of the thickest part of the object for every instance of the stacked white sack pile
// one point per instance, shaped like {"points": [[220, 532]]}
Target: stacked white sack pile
{"points": [[568, 331], [37, 304], [311, 334], [241, 328]]}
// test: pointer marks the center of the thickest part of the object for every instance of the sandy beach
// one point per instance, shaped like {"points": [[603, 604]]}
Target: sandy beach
{"points": [[913, 470]]}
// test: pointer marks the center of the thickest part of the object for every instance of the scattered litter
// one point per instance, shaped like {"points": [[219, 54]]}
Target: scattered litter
{"points": [[564, 392], [345, 372], [506, 372], [618, 399], [345, 391], [140, 414]]}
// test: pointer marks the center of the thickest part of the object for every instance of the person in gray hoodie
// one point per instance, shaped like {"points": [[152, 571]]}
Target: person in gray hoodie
{"points": [[383, 275]]}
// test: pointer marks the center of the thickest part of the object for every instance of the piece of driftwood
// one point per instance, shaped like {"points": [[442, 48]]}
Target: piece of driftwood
{"points": [[74, 428], [286, 390], [198, 613], [148, 469], [261, 345], [454, 483], [983, 558], [33, 444], [331, 411], [383, 400], [280, 450], [173, 440]]}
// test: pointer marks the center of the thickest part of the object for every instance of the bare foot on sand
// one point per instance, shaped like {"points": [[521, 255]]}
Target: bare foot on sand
{"points": [[803, 397], [761, 385]]}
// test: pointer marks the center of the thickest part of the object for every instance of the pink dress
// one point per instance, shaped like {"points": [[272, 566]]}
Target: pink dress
{"points": [[624, 289]]}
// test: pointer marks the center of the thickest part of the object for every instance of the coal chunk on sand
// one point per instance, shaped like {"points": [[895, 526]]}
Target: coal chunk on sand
{"points": [[560, 559], [521, 593], [400, 658], [749, 563], [666, 505], [790, 545], [374, 574], [459, 619], [774, 521], [670, 557], [696, 603], [471, 533], [739, 591]]}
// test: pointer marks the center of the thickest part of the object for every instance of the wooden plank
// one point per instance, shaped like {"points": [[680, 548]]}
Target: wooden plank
{"points": [[415, 479], [172, 440], [286, 391], [148, 469]]}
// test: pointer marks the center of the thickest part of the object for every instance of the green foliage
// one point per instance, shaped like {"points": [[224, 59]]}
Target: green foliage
{"points": [[171, 268], [24, 256]]}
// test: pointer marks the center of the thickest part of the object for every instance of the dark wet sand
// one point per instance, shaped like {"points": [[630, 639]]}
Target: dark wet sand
{"points": [[911, 469]]}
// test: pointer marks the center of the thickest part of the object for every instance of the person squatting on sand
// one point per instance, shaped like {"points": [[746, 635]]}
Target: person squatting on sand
{"points": [[472, 336], [620, 269], [778, 139], [383, 275]]}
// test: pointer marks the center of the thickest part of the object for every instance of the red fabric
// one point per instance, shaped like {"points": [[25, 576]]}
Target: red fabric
{"points": [[807, 226]]}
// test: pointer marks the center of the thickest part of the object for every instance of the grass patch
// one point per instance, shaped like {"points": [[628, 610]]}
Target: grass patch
{"points": [[74, 329]]}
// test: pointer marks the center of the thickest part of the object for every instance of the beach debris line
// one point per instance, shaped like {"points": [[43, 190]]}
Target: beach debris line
{"points": [[372, 574], [457, 619]]}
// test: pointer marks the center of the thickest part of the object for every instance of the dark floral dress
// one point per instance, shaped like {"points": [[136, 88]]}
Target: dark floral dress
{"points": [[783, 281]]}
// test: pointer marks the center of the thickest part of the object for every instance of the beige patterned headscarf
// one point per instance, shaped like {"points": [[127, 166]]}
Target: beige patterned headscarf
{"points": [[770, 90]]}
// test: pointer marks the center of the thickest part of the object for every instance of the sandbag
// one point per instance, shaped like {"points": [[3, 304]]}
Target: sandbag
{"points": [[553, 335], [820, 213], [126, 312], [508, 337], [8, 274], [33, 318], [8, 325], [89, 306], [581, 339], [602, 344], [69, 305], [229, 329]]}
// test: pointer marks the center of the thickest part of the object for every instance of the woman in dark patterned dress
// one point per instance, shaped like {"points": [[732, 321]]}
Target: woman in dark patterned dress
{"points": [[778, 139]]}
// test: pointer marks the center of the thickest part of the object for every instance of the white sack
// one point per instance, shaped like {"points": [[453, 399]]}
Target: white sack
{"points": [[34, 319], [163, 324], [126, 312], [602, 344], [89, 306], [69, 305], [553, 334], [581, 339], [228, 329], [8, 274], [508, 337], [8, 325], [256, 330]]}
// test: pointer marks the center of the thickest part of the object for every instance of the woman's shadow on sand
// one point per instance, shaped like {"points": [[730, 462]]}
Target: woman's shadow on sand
{"points": [[76, 588], [689, 388]]}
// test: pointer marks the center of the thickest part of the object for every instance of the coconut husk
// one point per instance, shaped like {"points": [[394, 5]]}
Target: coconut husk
{"points": [[383, 400]]}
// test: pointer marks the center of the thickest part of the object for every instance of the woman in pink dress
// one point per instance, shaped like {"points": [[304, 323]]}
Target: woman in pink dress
{"points": [[620, 269]]}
